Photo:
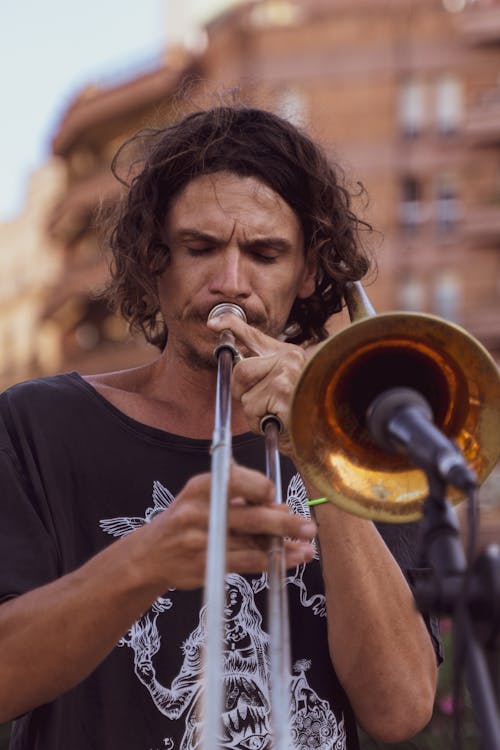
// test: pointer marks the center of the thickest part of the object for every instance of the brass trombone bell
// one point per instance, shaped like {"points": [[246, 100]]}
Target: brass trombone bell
{"points": [[439, 359]]}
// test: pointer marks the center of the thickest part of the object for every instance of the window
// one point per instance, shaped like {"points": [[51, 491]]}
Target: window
{"points": [[412, 114], [411, 294], [447, 295], [411, 204], [449, 106], [291, 104], [447, 206]]}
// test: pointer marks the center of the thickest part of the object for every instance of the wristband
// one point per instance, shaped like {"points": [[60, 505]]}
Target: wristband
{"points": [[317, 501]]}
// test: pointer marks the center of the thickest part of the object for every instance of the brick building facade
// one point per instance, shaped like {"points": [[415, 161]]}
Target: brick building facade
{"points": [[403, 94]]}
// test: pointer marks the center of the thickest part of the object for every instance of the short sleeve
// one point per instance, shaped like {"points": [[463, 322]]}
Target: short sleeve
{"points": [[28, 556]]}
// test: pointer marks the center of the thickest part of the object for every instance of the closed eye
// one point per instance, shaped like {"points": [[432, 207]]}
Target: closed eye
{"points": [[199, 250], [268, 249], [261, 257]]}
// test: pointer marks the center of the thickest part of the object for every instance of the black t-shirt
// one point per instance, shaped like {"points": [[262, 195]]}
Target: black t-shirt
{"points": [[76, 474]]}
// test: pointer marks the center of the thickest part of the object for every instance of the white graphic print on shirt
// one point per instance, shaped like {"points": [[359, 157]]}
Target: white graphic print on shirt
{"points": [[246, 657]]}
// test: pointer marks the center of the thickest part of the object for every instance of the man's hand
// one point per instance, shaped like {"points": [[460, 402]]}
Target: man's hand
{"points": [[264, 381], [176, 541]]}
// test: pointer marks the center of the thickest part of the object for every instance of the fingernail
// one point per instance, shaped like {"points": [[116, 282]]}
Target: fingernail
{"points": [[219, 320]]}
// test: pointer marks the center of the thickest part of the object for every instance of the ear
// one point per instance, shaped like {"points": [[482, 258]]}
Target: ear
{"points": [[307, 284]]}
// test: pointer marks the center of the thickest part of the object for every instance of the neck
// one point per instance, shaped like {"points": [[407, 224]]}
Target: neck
{"points": [[188, 395]]}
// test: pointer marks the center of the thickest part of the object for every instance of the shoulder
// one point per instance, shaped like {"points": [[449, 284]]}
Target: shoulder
{"points": [[55, 384], [132, 380], [31, 412], [42, 395]]}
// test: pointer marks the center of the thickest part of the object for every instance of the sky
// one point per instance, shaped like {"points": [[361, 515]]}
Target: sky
{"points": [[50, 50]]}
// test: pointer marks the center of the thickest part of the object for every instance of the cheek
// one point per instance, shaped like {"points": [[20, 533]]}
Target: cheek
{"points": [[164, 292], [172, 282], [294, 287], [169, 295]]}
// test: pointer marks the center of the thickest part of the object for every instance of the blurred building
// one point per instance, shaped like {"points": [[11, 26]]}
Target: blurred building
{"points": [[403, 93], [30, 263]]}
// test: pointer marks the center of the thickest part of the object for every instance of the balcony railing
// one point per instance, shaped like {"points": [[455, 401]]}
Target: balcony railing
{"points": [[481, 24], [483, 325], [482, 223], [482, 124]]}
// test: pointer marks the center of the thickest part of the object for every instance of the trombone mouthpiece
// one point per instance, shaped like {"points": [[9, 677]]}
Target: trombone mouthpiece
{"points": [[226, 338], [227, 307]]}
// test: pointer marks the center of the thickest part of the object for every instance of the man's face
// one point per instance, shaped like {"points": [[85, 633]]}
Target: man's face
{"points": [[231, 239]]}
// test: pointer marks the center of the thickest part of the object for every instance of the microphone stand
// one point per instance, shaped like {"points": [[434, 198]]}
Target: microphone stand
{"points": [[464, 595]]}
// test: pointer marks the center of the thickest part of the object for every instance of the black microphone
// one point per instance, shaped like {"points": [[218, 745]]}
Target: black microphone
{"points": [[400, 420]]}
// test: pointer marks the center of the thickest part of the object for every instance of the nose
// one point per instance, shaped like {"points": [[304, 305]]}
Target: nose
{"points": [[229, 278]]}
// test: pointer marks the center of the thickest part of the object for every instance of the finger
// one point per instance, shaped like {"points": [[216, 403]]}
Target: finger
{"points": [[197, 485], [248, 372], [257, 342], [257, 561], [263, 399], [272, 395], [281, 370], [270, 521], [250, 485]]}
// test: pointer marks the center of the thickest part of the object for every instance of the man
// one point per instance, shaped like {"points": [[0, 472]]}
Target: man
{"points": [[106, 478]]}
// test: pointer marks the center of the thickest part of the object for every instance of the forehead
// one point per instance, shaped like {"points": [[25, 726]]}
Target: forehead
{"points": [[223, 197]]}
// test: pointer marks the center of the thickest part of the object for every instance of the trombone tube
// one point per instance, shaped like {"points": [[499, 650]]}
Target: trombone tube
{"points": [[213, 686], [357, 301], [278, 622], [212, 697]]}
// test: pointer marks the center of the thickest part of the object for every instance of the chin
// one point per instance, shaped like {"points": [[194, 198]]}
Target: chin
{"points": [[201, 360]]}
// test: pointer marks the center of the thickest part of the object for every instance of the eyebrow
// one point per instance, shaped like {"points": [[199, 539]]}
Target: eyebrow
{"points": [[194, 234], [276, 242]]}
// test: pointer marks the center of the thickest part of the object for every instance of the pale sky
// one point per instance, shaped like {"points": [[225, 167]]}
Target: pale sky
{"points": [[50, 49]]}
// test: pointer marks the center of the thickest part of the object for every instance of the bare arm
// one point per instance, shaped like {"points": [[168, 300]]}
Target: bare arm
{"points": [[80, 617], [379, 643]]}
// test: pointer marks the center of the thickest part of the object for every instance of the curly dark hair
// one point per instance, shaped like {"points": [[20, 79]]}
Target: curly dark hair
{"points": [[248, 142]]}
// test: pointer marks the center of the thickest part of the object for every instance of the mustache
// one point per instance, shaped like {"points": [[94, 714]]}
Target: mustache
{"points": [[254, 319]]}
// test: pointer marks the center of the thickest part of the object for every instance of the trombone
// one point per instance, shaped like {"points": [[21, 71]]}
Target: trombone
{"points": [[336, 453], [328, 427], [213, 687]]}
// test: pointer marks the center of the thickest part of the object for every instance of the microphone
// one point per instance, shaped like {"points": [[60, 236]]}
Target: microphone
{"points": [[400, 420]]}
